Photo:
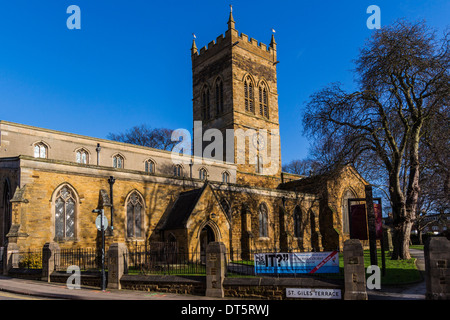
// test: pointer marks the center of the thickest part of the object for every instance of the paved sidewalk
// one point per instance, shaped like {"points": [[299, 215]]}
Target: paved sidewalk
{"points": [[60, 291], [407, 292]]}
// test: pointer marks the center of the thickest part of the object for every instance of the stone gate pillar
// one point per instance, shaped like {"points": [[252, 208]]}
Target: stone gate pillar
{"points": [[437, 268], [215, 269], [50, 252], [11, 258], [117, 257], [354, 272]]}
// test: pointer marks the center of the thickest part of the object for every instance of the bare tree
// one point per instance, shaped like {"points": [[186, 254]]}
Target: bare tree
{"points": [[304, 167], [158, 138], [403, 78]]}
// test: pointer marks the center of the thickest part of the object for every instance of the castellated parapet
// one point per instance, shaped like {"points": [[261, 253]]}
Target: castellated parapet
{"points": [[231, 39]]}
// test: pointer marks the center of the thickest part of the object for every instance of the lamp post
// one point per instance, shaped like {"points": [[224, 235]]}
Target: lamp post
{"points": [[102, 229], [111, 181]]}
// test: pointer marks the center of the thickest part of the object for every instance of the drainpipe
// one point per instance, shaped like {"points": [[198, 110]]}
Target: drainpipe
{"points": [[98, 153]]}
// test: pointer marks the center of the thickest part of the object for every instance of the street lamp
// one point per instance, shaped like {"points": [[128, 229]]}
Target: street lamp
{"points": [[102, 228], [111, 181]]}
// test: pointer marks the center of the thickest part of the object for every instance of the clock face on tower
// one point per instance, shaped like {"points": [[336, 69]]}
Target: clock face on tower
{"points": [[258, 141]]}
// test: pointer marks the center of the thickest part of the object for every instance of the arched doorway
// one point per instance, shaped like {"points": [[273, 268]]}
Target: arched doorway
{"points": [[206, 236]]}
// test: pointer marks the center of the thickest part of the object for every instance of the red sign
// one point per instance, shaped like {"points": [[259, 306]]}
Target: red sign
{"points": [[358, 221], [331, 255], [378, 221]]}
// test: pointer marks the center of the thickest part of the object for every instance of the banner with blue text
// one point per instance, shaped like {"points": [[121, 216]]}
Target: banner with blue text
{"points": [[298, 262]]}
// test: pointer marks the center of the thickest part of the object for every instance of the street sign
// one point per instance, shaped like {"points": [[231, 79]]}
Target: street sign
{"points": [[310, 293], [98, 222]]}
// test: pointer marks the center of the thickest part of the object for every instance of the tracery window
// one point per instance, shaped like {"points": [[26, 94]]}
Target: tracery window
{"points": [[135, 206], [65, 213]]}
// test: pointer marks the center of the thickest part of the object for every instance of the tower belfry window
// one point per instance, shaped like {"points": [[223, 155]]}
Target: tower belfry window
{"points": [[249, 96], [205, 104], [263, 102], [219, 97]]}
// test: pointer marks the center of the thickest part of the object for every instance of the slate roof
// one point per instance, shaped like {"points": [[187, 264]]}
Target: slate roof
{"points": [[182, 209]]}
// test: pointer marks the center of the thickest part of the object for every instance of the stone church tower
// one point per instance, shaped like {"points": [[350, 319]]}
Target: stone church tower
{"points": [[235, 87]]}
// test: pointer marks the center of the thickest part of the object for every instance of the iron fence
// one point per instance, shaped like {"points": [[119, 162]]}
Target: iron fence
{"points": [[164, 262], [87, 259], [239, 263]]}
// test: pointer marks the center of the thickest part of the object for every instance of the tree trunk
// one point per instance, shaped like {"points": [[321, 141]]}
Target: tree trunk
{"points": [[402, 225]]}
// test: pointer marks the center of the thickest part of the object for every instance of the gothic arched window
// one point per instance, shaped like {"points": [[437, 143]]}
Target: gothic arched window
{"points": [[118, 161], [263, 101], [40, 150], [65, 213], [297, 222], [225, 177], [177, 170], [135, 208], [205, 104], [203, 174], [249, 95], [219, 97], [149, 166], [82, 156], [263, 217]]}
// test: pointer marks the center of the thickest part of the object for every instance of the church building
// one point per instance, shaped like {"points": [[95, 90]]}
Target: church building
{"points": [[51, 181]]}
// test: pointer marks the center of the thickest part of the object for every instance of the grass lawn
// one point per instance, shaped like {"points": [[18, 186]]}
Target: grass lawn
{"points": [[397, 271]]}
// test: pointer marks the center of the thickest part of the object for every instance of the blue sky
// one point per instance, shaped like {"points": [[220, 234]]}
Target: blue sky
{"points": [[130, 64]]}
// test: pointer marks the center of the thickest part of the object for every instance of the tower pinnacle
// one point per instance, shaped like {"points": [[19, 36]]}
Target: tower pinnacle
{"points": [[231, 22], [194, 46]]}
